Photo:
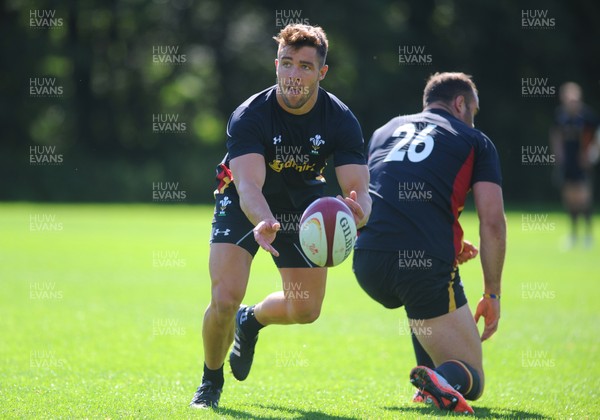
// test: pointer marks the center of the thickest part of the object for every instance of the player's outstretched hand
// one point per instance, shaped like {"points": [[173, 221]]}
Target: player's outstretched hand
{"points": [[469, 252], [357, 210], [264, 235], [490, 310]]}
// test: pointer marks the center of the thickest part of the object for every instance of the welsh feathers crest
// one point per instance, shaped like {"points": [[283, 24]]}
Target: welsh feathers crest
{"points": [[316, 141], [224, 202]]}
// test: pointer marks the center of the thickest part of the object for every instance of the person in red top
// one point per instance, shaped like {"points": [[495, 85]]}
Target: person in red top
{"points": [[421, 168]]}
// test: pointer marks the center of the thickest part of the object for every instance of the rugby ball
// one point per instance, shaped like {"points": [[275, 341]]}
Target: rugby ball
{"points": [[327, 232]]}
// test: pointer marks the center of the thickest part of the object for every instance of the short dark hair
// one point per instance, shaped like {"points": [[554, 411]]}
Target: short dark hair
{"points": [[444, 87], [298, 35]]}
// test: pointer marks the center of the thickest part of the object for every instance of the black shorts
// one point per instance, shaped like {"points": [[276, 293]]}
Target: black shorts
{"points": [[426, 287], [572, 172], [230, 225]]}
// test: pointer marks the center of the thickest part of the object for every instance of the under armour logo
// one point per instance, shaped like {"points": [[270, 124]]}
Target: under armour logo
{"points": [[224, 232], [277, 139]]}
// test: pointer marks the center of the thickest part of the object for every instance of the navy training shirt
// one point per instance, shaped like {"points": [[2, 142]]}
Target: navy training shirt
{"points": [[422, 166], [577, 132], [295, 147]]}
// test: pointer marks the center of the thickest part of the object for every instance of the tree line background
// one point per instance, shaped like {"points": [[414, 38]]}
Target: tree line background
{"points": [[120, 64]]}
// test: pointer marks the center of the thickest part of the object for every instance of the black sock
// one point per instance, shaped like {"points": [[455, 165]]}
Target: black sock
{"points": [[461, 377], [422, 356], [587, 214], [249, 323], [215, 376], [574, 215]]}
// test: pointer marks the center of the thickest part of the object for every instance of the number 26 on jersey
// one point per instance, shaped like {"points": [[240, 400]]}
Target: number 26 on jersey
{"points": [[412, 145]]}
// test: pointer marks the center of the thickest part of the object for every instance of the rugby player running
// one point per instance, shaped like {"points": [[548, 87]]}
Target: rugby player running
{"points": [[278, 142]]}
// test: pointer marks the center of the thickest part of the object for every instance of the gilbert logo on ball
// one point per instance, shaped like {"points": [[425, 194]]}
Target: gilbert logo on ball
{"points": [[327, 232]]}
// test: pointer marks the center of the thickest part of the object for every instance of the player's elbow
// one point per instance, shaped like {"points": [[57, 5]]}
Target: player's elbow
{"points": [[493, 228]]}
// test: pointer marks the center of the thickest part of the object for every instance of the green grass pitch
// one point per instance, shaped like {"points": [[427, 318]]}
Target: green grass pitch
{"points": [[101, 309]]}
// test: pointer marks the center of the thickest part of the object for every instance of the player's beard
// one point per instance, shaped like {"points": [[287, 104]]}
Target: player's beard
{"points": [[295, 101]]}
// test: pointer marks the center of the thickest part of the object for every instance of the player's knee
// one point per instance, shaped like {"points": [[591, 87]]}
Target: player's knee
{"points": [[475, 393], [476, 390], [307, 317], [224, 305], [305, 314]]}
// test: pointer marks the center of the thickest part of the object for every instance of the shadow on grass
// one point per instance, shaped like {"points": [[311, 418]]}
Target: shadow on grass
{"points": [[480, 412], [300, 414]]}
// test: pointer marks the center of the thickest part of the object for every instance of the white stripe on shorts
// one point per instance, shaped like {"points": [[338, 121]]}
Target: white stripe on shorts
{"points": [[244, 237], [311, 265]]}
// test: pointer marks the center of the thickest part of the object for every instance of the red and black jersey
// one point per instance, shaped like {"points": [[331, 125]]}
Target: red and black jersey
{"points": [[422, 166]]}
